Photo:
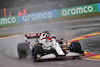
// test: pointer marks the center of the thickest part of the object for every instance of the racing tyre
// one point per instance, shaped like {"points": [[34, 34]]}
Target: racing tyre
{"points": [[37, 49], [76, 47], [22, 50]]}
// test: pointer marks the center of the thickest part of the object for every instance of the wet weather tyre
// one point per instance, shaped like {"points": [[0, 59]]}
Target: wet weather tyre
{"points": [[22, 49], [75, 47], [37, 49]]}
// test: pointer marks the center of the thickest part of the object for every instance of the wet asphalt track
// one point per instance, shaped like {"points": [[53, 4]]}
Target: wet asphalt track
{"points": [[66, 29]]}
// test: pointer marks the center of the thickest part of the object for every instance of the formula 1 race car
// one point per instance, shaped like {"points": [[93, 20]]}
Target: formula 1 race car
{"points": [[47, 47]]}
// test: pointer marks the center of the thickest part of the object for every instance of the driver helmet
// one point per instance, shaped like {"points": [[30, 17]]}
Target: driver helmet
{"points": [[47, 39]]}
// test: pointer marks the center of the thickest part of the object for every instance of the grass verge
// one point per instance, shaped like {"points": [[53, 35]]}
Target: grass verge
{"points": [[6, 35]]}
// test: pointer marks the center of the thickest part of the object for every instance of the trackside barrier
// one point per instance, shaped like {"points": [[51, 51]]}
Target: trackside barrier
{"points": [[85, 9]]}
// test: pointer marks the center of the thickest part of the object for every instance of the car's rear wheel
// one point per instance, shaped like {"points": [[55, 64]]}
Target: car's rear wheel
{"points": [[22, 50]]}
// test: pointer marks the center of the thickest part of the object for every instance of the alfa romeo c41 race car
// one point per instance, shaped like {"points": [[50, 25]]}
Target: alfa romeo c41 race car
{"points": [[47, 47]]}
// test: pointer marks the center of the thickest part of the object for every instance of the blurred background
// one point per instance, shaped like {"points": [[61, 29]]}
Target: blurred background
{"points": [[12, 7]]}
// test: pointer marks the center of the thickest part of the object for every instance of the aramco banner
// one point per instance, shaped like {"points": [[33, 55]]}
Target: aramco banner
{"points": [[51, 14], [38, 16], [77, 10], [8, 20]]}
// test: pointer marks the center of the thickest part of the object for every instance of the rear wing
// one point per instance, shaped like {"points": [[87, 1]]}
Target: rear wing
{"points": [[32, 36]]}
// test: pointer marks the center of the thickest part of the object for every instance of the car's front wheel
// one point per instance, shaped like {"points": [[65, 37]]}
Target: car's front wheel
{"points": [[37, 49], [76, 47]]}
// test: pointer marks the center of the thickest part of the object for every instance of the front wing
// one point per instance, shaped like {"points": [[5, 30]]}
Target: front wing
{"points": [[53, 56]]}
